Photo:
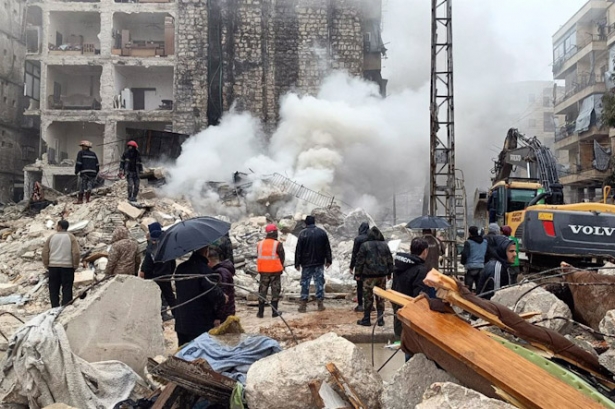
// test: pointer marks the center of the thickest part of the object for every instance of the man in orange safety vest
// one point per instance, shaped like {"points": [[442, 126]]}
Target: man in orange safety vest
{"points": [[270, 266]]}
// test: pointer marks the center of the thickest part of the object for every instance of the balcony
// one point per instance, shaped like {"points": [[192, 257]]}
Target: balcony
{"points": [[585, 86], [588, 44], [566, 137], [586, 177]]}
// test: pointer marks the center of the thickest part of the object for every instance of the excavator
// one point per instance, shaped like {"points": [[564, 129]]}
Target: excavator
{"points": [[532, 204]]}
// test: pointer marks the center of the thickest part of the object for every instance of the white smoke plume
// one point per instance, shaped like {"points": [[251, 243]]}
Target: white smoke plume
{"points": [[347, 142]]}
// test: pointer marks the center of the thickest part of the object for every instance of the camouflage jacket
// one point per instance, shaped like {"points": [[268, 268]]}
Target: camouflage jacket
{"points": [[124, 257], [374, 258]]}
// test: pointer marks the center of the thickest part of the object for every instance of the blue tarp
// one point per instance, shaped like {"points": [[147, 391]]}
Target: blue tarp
{"points": [[234, 361]]}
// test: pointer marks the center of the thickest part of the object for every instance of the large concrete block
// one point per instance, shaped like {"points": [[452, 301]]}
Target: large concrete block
{"points": [[448, 395], [281, 380], [119, 320], [411, 381]]}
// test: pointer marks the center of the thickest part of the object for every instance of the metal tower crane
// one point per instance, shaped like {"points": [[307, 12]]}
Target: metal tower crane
{"points": [[442, 137]]}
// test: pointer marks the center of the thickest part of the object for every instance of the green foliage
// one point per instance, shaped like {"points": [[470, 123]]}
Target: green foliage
{"points": [[608, 113]]}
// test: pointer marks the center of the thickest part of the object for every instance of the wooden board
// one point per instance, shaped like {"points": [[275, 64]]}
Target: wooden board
{"points": [[523, 381]]}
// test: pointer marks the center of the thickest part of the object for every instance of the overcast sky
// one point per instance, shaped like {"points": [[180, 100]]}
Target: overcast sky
{"points": [[495, 42]]}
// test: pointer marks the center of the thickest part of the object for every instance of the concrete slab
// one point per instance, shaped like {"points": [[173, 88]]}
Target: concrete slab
{"points": [[130, 210], [84, 278], [7, 289], [118, 320]]}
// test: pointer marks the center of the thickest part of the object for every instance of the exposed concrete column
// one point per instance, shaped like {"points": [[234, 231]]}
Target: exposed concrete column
{"points": [[112, 148], [107, 86], [106, 29]]}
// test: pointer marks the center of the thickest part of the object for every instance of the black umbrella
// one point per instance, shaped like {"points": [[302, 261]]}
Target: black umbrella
{"points": [[428, 222], [189, 235]]}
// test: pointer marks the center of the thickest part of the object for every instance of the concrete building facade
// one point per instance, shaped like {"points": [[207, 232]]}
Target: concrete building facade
{"points": [[581, 60], [18, 134], [111, 68]]}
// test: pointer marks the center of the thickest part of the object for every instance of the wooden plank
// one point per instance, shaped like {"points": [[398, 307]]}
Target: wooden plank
{"points": [[315, 390], [526, 383], [169, 394], [393, 296], [448, 291], [345, 387]]}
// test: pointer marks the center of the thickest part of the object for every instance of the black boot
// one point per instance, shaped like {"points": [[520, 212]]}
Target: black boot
{"points": [[261, 310], [274, 309], [381, 318], [366, 322]]}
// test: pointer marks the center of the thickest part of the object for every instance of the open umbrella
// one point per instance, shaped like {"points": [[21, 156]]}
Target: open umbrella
{"points": [[189, 235], [428, 222]]}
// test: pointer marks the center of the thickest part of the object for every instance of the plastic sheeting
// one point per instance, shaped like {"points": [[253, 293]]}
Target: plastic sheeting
{"points": [[602, 157], [40, 369], [589, 114]]}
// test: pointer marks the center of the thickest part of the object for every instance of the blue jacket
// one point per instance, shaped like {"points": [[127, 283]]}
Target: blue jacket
{"points": [[473, 254]]}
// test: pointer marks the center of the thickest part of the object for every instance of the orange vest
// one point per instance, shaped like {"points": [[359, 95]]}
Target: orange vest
{"points": [[268, 260]]}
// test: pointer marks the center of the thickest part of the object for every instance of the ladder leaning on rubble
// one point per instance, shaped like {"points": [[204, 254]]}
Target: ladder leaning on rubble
{"points": [[291, 187]]}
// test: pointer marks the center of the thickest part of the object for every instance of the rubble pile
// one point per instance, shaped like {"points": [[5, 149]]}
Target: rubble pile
{"points": [[23, 234]]}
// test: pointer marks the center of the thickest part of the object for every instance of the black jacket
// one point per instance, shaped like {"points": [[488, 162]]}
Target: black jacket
{"points": [[499, 263], [360, 239], [87, 163], [226, 269], [409, 273], [131, 161], [313, 248], [374, 258], [152, 269], [197, 316]]}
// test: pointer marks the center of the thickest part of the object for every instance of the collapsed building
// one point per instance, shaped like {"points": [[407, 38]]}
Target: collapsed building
{"points": [[115, 70]]}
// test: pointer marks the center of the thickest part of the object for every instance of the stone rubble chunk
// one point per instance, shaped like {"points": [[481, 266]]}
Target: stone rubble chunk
{"points": [[419, 372], [118, 320], [536, 300], [447, 395], [8, 289], [607, 326], [607, 360], [130, 210], [84, 278], [281, 380]]}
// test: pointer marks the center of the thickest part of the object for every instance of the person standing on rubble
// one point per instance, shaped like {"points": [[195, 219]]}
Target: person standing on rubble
{"points": [[61, 258], [87, 168], [312, 254], [197, 298], [374, 265], [270, 266], [436, 249], [151, 269], [131, 167], [408, 275], [360, 239], [226, 270], [473, 257], [496, 273], [124, 255]]}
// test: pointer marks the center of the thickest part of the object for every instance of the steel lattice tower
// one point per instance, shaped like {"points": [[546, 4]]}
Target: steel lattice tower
{"points": [[442, 137]]}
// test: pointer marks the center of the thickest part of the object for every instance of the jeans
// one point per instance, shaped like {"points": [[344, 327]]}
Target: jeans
{"points": [[61, 277], [318, 273]]}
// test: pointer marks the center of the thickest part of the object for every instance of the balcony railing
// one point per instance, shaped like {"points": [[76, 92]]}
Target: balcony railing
{"points": [[581, 82], [587, 39]]}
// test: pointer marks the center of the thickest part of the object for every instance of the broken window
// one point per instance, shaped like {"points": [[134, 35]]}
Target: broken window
{"points": [[33, 81]]}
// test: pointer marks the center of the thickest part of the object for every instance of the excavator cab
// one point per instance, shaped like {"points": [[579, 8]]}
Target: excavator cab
{"points": [[509, 199]]}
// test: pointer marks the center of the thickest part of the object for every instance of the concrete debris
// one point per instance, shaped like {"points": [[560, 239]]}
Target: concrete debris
{"points": [[59, 406], [419, 372], [607, 360], [520, 300], [607, 326], [7, 289], [354, 220], [281, 380], [118, 320], [84, 278], [448, 395], [591, 302], [130, 210]]}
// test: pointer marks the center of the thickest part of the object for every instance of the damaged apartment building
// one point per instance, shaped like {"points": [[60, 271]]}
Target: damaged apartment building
{"points": [[19, 140], [158, 70]]}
